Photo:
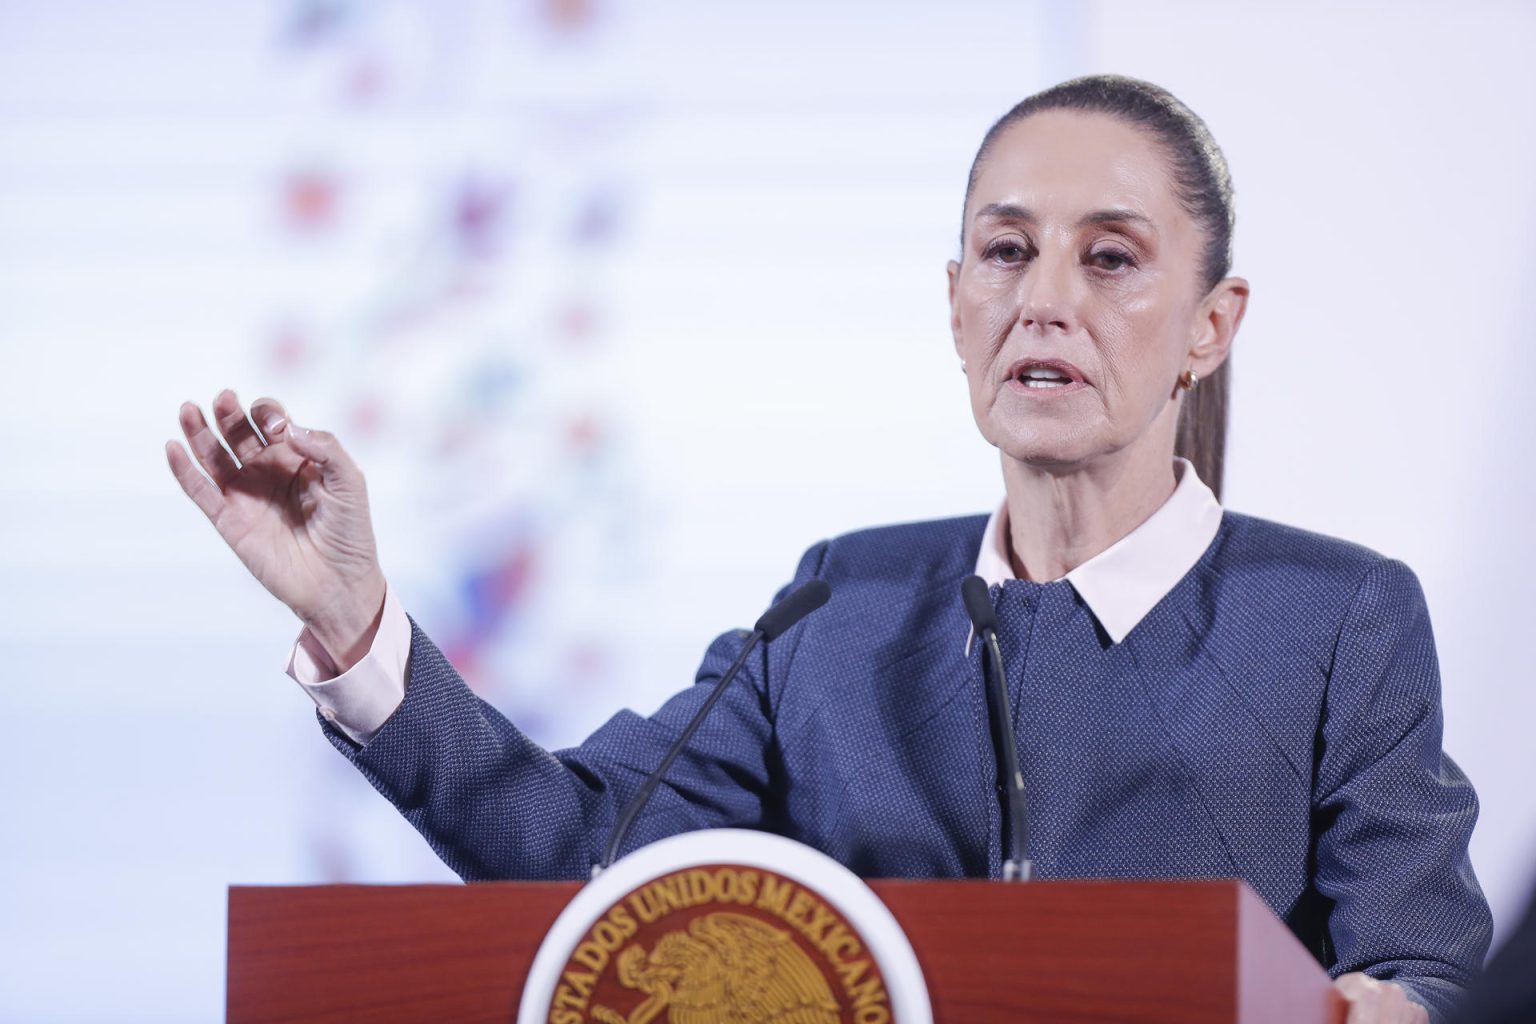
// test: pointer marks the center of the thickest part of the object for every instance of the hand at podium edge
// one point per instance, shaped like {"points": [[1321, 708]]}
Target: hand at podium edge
{"points": [[1372, 1001], [293, 507]]}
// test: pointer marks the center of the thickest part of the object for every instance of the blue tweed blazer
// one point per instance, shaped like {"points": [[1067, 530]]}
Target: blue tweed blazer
{"points": [[1276, 717]]}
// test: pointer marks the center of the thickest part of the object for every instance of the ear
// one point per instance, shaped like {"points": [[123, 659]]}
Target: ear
{"points": [[1216, 323], [954, 308]]}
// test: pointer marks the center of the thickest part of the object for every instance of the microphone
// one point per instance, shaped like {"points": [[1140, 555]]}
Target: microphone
{"points": [[796, 605], [1017, 867]]}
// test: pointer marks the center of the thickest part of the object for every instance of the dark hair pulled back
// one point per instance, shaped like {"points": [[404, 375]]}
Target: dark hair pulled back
{"points": [[1203, 185]]}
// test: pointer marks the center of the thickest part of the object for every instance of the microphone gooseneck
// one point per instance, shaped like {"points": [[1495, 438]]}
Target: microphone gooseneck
{"points": [[796, 605], [1017, 866]]}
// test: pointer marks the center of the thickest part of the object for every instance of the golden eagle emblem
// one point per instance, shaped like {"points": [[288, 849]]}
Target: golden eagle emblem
{"points": [[726, 969]]}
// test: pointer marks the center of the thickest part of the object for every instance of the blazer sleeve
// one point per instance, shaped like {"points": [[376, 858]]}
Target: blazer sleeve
{"points": [[1393, 814], [495, 805]]}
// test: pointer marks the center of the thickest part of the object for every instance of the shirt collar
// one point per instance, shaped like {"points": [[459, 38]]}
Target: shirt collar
{"points": [[1126, 580]]}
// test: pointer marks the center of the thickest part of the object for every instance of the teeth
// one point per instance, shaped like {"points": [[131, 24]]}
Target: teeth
{"points": [[1043, 377]]}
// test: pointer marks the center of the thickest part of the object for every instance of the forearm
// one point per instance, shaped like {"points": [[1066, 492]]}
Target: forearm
{"points": [[489, 800], [1394, 814], [496, 805]]}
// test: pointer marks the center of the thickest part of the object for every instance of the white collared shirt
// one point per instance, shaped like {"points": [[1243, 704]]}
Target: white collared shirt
{"points": [[1120, 585], [1126, 580]]}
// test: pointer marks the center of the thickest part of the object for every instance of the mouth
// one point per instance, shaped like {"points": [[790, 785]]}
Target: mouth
{"points": [[1045, 376]]}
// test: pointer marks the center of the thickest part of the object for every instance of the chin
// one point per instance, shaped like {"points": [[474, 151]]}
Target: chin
{"points": [[1048, 449], [1055, 433]]}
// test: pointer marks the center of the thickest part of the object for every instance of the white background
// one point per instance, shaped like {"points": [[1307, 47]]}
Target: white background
{"points": [[771, 366]]}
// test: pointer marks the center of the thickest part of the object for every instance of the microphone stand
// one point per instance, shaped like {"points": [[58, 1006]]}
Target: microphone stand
{"points": [[1017, 867], [776, 620]]}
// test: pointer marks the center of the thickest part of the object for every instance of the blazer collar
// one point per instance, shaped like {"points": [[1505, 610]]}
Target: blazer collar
{"points": [[1126, 580]]}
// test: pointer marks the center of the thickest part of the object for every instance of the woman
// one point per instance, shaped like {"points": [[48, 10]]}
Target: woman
{"points": [[1198, 693]]}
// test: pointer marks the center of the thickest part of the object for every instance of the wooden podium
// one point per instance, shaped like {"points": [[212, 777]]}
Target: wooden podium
{"points": [[1190, 952]]}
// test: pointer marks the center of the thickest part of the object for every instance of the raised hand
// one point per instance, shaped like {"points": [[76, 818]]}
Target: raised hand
{"points": [[293, 506]]}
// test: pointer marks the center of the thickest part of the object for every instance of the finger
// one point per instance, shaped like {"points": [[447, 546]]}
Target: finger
{"points": [[238, 433], [269, 416], [216, 462], [203, 494], [1368, 998]]}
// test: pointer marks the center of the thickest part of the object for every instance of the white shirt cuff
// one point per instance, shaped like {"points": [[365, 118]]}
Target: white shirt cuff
{"points": [[360, 700]]}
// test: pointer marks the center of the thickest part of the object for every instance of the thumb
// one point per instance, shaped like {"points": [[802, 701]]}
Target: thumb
{"points": [[322, 448], [308, 443]]}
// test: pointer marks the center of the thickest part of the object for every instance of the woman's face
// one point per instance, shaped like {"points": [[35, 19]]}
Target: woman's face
{"points": [[1077, 302]]}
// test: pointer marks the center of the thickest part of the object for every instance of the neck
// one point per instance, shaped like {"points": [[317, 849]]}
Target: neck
{"points": [[1059, 518]]}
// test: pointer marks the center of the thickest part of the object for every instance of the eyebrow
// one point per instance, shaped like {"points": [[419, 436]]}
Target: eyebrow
{"points": [[1011, 211]]}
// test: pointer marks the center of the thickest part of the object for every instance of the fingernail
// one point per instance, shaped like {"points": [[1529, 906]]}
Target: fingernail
{"points": [[300, 431], [273, 425]]}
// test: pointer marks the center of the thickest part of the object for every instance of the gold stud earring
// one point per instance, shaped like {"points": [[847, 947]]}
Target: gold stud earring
{"points": [[1188, 379]]}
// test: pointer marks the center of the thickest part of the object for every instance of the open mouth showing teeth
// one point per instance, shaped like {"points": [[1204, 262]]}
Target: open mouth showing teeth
{"points": [[1041, 377]]}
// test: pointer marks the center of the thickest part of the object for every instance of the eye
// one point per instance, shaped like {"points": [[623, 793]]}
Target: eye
{"points": [[1111, 259], [1006, 250]]}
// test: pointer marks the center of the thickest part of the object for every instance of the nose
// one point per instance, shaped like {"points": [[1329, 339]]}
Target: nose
{"points": [[1048, 294]]}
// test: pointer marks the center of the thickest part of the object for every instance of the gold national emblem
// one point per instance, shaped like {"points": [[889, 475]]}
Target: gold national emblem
{"points": [[721, 945]]}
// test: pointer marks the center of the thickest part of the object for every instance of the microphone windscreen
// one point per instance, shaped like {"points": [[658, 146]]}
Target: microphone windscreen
{"points": [[978, 604], [797, 604]]}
